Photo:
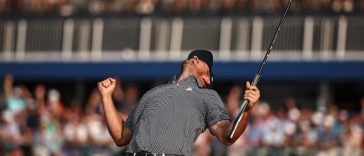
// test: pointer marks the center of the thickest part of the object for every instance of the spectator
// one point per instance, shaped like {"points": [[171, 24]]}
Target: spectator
{"points": [[202, 145], [10, 132], [361, 6], [113, 6], [96, 7], [306, 139], [146, 7], [130, 100], [310, 6], [14, 96], [352, 139], [4, 7], [130, 6], [256, 129], [180, 6], [99, 140], [328, 140], [362, 107], [55, 105], [325, 6], [343, 6], [75, 130]]}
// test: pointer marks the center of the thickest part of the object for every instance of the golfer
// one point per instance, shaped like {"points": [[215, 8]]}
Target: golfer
{"points": [[169, 118]]}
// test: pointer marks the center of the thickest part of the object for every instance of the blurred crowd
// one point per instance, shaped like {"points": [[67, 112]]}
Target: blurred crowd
{"points": [[37, 122], [173, 7], [290, 130]]}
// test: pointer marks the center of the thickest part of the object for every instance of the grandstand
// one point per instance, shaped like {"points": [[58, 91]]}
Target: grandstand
{"points": [[316, 66]]}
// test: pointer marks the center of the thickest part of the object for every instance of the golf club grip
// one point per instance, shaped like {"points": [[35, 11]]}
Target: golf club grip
{"points": [[241, 112]]}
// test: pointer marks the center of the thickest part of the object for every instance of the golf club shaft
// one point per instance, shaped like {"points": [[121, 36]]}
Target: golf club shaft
{"points": [[245, 103]]}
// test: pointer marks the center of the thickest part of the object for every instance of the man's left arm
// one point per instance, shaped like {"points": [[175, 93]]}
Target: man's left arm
{"points": [[221, 128]]}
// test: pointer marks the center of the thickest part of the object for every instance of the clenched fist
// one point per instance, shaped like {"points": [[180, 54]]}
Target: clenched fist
{"points": [[106, 87]]}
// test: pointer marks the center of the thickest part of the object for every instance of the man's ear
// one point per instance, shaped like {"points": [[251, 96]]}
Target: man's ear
{"points": [[195, 58]]}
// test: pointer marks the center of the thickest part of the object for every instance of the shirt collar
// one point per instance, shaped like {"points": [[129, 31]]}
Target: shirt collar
{"points": [[190, 81], [173, 80]]}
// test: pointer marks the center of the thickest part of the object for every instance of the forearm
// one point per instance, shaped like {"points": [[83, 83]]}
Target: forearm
{"points": [[240, 129], [113, 119], [221, 129]]}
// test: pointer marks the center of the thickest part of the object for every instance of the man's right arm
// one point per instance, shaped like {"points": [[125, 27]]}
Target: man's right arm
{"points": [[221, 128], [120, 134]]}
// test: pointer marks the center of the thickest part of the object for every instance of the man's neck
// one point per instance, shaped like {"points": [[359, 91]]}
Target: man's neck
{"points": [[184, 75]]}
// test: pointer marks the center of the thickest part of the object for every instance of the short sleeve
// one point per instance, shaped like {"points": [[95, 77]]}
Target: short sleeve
{"points": [[130, 121], [215, 109], [136, 112]]}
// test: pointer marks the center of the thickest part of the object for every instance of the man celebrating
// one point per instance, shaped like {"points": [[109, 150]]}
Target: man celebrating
{"points": [[170, 117]]}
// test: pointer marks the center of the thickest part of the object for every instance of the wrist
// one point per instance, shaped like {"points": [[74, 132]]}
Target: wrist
{"points": [[106, 96], [250, 107]]}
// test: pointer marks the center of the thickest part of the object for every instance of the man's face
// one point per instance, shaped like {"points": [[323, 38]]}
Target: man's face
{"points": [[201, 70]]}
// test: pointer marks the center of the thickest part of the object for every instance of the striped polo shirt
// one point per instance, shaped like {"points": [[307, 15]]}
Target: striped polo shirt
{"points": [[170, 117]]}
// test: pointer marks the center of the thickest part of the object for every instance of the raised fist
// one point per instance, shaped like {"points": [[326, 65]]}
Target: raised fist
{"points": [[106, 87]]}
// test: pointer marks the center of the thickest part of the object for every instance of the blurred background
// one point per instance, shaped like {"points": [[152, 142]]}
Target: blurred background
{"points": [[53, 52]]}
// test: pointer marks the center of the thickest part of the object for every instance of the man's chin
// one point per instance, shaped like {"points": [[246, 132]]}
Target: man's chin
{"points": [[187, 62], [184, 61]]}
